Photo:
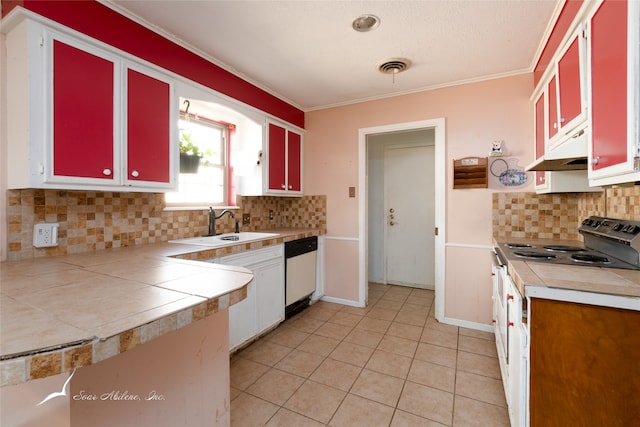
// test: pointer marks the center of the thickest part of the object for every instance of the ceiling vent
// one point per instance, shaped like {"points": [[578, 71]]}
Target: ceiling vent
{"points": [[394, 66]]}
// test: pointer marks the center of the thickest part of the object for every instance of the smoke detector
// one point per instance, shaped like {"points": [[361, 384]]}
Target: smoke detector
{"points": [[394, 66]]}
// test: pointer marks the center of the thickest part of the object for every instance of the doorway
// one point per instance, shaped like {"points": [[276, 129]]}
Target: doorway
{"points": [[386, 254], [409, 194]]}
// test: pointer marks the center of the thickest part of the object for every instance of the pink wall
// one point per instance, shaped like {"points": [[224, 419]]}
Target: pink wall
{"points": [[187, 372], [476, 114]]}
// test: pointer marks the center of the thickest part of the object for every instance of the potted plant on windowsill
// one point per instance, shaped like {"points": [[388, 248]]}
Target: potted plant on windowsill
{"points": [[189, 155]]}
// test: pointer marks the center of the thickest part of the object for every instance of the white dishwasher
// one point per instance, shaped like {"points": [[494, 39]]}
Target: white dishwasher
{"points": [[300, 276]]}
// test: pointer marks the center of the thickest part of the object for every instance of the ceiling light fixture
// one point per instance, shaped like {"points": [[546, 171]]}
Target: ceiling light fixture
{"points": [[365, 23], [394, 66]]}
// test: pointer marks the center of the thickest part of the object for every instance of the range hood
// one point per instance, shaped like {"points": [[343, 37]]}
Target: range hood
{"points": [[569, 155]]}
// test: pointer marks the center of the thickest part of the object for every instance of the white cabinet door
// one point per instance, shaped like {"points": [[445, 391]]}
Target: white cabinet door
{"points": [[269, 279], [242, 319], [517, 389], [264, 306]]}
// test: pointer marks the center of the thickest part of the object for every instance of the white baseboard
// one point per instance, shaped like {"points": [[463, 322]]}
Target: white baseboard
{"points": [[467, 324], [341, 301]]}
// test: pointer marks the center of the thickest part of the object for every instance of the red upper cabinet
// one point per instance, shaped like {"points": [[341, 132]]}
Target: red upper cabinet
{"points": [[294, 161], [566, 91], [615, 91], [552, 108], [88, 116], [284, 160], [83, 113], [539, 137], [570, 84], [148, 128], [277, 152]]}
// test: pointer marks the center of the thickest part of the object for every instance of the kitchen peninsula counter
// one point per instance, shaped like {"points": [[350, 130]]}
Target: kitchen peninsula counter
{"points": [[64, 312], [606, 281]]}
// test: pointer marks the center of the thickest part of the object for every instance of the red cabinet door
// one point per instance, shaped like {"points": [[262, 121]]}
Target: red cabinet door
{"points": [[277, 153], [294, 160], [83, 105], [148, 124], [609, 84], [539, 130], [552, 107], [570, 91]]}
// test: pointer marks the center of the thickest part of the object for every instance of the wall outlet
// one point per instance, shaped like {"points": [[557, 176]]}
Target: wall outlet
{"points": [[45, 235], [246, 219]]}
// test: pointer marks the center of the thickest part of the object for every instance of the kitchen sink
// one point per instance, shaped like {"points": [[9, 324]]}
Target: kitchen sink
{"points": [[225, 239]]}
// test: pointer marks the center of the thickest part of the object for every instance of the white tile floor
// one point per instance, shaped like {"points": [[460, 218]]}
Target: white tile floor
{"points": [[390, 364]]}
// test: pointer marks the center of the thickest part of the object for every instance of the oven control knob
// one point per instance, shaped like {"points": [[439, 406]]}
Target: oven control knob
{"points": [[618, 227], [633, 229]]}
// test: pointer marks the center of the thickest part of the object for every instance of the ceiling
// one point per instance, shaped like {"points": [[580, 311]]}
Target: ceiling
{"points": [[307, 53]]}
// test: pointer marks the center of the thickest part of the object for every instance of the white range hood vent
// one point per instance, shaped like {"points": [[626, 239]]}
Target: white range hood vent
{"points": [[570, 155]]}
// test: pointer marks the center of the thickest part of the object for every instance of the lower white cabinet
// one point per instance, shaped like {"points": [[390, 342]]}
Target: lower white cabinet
{"points": [[517, 377], [264, 306]]}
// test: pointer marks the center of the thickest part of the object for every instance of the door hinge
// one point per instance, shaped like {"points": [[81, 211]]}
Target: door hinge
{"points": [[435, 231], [41, 40]]}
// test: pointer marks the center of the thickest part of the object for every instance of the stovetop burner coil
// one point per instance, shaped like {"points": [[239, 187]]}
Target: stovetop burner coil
{"points": [[563, 248], [534, 255], [590, 259], [519, 246]]}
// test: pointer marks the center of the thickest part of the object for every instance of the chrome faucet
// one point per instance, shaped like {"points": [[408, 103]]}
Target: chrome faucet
{"points": [[213, 217]]}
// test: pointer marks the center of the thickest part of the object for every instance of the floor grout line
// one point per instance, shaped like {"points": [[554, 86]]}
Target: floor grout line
{"points": [[372, 322]]}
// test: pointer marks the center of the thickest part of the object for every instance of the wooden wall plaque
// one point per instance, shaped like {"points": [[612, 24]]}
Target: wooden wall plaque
{"points": [[470, 172]]}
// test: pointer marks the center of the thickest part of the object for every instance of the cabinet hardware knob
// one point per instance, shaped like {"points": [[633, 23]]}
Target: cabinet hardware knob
{"points": [[510, 324], [595, 160], [509, 297], [555, 125], [135, 173], [106, 172], [283, 186], [562, 120], [290, 186], [392, 223]]}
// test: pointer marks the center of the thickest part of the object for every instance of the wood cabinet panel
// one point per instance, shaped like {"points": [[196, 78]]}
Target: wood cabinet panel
{"points": [[585, 365], [83, 113]]}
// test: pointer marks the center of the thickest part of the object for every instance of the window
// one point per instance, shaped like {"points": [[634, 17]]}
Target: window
{"points": [[205, 141]]}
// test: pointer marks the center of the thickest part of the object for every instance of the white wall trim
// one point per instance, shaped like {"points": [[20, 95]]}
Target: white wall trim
{"points": [[467, 324], [468, 245], [342, 301], [351, 239], [440, 210], [582, 297]]}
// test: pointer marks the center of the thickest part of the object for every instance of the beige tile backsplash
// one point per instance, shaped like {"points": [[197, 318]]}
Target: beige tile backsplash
{"points": [[557, 216], [95, 220]]}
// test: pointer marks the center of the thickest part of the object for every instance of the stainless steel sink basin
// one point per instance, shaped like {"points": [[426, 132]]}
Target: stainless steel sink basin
{"points": [[225, 239]]}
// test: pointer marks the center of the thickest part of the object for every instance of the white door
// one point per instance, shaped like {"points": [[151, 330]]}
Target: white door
{"points": [[410, 216]]}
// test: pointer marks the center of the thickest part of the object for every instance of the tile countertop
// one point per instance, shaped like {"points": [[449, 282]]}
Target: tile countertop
{"points": [[609, 281], [59, 313]]}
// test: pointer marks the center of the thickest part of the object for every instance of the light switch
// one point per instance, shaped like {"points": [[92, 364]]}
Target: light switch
{"points": [[352, 191]]}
